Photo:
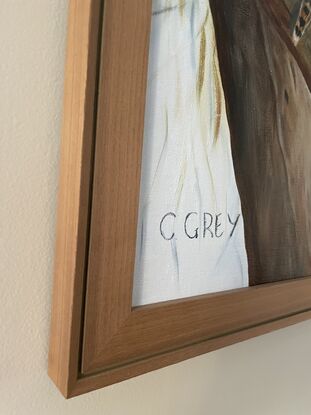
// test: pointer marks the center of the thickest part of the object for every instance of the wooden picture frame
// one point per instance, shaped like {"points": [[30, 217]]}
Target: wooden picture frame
{"points": [[97, 337]]}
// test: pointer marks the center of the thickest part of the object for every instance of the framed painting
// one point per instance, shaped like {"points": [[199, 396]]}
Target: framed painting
{"points": [[185, 183]]}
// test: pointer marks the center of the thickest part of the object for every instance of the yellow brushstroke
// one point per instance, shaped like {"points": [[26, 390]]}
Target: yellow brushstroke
{"points": [[218, 95], [181, 182], [182, 4], [178, 94], [200, 92], [202, 57]]}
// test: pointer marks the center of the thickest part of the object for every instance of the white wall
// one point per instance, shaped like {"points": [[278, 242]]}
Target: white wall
{"points": [[268, 375]]}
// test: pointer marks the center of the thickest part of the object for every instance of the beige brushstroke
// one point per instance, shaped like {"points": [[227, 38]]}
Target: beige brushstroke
{"points": [[178, 94], [218, 95], [181, 182], [202, 56], [182, 4]]}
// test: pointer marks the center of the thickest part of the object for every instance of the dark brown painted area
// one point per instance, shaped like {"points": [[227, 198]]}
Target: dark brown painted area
{"points": [[269, 112]]}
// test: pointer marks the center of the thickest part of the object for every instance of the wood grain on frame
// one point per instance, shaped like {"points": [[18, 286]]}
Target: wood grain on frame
{"points": [[119, 142], [97, 338], [74, 190]]}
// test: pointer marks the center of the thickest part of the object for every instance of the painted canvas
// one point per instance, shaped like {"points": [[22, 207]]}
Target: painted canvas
{"points": [[226, 175]]}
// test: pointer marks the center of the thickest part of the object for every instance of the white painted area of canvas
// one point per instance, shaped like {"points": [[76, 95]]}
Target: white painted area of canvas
{"points": [[187, 166]]}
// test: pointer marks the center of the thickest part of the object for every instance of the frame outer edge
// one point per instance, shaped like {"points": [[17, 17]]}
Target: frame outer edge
{"points": [[74, 195], [125, 372]]}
